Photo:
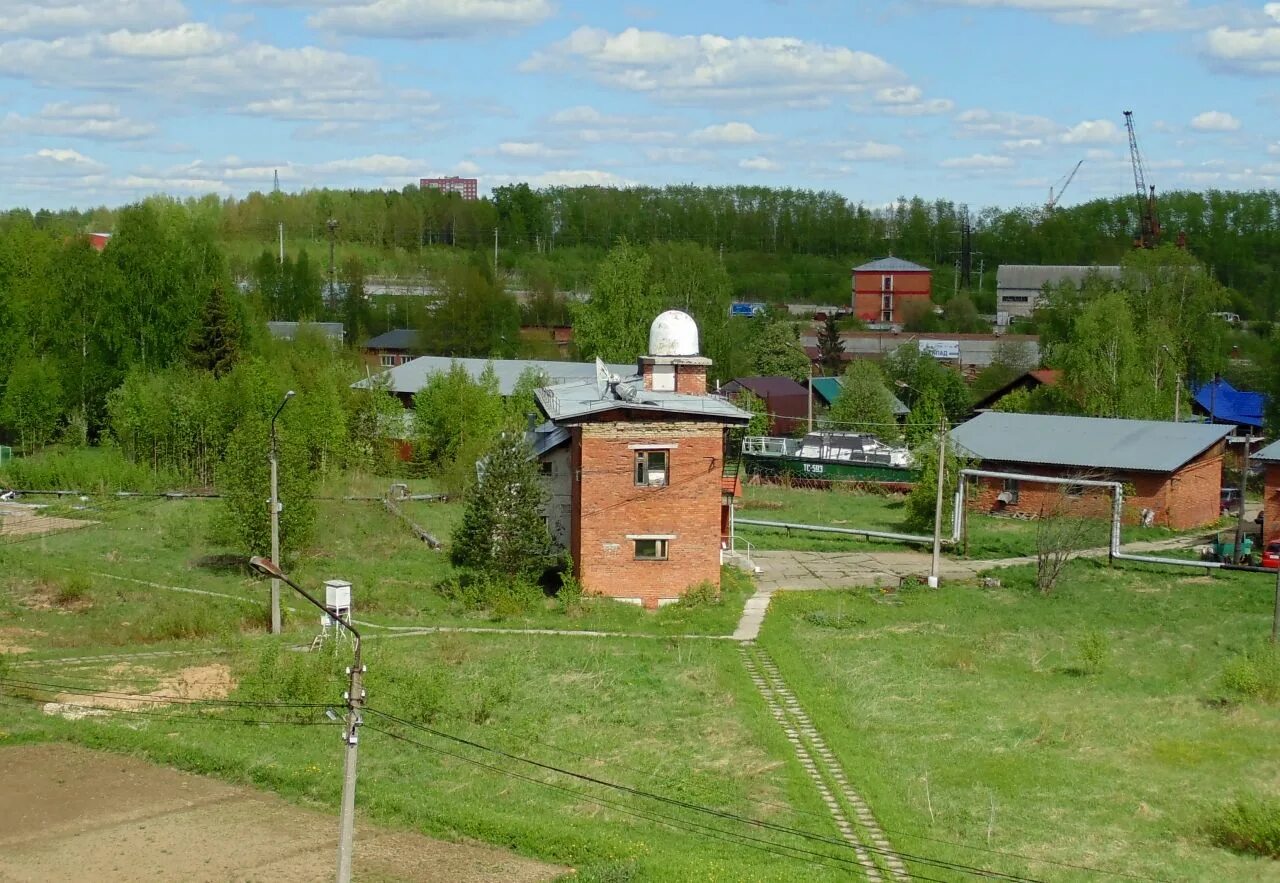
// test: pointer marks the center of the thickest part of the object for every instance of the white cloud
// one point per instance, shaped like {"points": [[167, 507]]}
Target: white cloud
{"points": [[992, 124], [196, 64], [430, 19], [728, 133], [1215, 121], [466, 167], [1114, 15], [683, 156], [530, 150], [977, 162], [66, 158], [1093, 132], [873, 151], [565, 178], [1023, 144], [759, 164], [910, 101], [377, 165], [96, 122], [710, 68], [1248, 50], [601, 128], [61, 18]]}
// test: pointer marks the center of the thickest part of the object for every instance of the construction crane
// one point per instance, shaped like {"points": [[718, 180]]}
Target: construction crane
{"points": [[1061, 188], [1148, 220]]}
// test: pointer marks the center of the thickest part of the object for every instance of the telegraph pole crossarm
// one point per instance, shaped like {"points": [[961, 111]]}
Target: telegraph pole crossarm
{"points": [[355, 698]]}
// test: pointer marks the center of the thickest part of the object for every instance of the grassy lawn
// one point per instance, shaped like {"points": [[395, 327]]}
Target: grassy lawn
{"points": [[678, 719], [989, 536], [1089, 727], [92, 586]]}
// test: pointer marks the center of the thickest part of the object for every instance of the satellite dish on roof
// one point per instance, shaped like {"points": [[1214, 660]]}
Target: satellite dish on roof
{"points": [[604, 379]]}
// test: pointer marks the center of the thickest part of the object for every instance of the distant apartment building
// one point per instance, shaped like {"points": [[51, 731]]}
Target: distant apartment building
{"points": [[1019, 286], [890, 290], [466, 187]]}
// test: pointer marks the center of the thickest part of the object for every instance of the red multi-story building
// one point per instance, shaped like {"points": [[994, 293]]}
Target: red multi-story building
{"points": [[887, 291], [635, 469], [466, 187]]}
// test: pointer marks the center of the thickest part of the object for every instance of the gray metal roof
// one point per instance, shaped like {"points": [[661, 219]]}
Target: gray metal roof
{"points": [[1033, 277], [413, 375], [395, 339], [578, 399], [890, 264], [289, 330], [1085, 442], [1271, 453]]}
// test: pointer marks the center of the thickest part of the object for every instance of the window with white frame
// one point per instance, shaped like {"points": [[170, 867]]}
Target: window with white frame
{"points": [[650, 549], [653, 468], [388, 361]]}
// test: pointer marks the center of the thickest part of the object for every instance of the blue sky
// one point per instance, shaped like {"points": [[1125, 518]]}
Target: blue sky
{"points": [[988, 102]]}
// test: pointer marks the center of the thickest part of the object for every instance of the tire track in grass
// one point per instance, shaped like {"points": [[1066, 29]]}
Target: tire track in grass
{"points": [[853, 817]]}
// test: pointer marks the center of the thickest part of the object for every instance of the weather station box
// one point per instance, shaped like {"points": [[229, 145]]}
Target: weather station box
{"points": [[337, 594]]}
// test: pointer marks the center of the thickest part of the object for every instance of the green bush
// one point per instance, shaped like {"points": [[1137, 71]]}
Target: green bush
{"points": [[839, 620], [1095, 650], [285, 676], [91, 470], [1250, 825], [72, 591], [503, 597], [704, 594], [1253, 675]]}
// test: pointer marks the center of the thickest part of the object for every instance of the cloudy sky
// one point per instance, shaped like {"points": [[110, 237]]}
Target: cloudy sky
{"points": [[983, 101]]}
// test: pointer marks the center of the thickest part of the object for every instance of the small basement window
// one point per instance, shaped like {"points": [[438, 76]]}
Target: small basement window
{"points": [[544, 467], [652, 468], [651, 550]]}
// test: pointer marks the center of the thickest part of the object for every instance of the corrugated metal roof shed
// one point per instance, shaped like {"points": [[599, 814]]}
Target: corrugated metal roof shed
{"points": [[1085, 442], [891, 265], [1033, 277], [395, 339], [1271, 453], [413, 375]]}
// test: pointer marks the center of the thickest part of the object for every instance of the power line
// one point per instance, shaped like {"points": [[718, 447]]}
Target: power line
{"points": [[981, 872], [737, 838]]}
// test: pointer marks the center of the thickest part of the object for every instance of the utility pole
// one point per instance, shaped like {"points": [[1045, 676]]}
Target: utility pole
{"points": [[937, 509], [332, 224], [281, 225], [274, 503], [355, 698], [495, 251], [811, 396], [1244, 482], [1177, 397]]}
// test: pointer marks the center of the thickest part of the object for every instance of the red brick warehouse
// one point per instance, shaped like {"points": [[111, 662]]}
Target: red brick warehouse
{"points": [[1269, 457], [635, 467], [890, 291], [1174, 470]]}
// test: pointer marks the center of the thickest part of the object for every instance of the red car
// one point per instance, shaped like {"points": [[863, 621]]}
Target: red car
{"points": [[1271, 554]]}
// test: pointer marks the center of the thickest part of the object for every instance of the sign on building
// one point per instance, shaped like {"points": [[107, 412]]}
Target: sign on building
{"points": [[946, 350]]}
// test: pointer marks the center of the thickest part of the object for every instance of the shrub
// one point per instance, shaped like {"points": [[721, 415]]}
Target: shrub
{"points": [[839, 620], [1250, 825], [704, 594], [1253, 675], [503, 597], [72, 591], [91, 470], [1094, 652]]}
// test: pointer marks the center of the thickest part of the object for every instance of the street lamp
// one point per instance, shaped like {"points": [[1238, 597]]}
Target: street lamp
{"points": [[275, 516], [355, 700], [936, 562]]}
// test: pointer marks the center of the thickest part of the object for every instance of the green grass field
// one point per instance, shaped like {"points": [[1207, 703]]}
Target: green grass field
{"points": [[989, 536], [1091, 727]]}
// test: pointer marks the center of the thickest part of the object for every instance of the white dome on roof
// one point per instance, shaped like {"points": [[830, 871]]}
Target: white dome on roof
{"points": [[673, 334]]}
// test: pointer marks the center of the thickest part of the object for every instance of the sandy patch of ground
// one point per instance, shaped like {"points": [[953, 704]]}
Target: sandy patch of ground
{"points": [[20, 519], [74, 814], [212, 681]]}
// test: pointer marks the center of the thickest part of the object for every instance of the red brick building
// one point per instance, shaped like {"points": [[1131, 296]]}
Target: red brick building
{"points": [[890, 290], [635, 468], [391, 348], [466, 187], [1172, 469], [1270, 458]]}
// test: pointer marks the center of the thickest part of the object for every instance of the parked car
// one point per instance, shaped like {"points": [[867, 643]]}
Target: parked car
{"points": [[1271, 555], [1229, 499]]}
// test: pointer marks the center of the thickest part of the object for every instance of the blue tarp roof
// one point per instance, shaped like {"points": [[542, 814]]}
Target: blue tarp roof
{"points": [[1226, 404]]}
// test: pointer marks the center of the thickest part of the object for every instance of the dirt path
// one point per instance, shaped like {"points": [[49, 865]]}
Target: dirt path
{"points": [[74, 814]]}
